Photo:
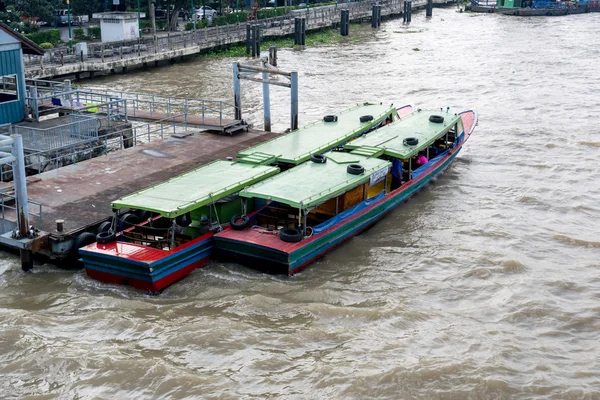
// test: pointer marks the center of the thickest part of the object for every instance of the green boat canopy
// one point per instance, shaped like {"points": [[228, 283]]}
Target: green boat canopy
{"points": [[318, 137], [196, 188], [389, 139], [310, 184]]}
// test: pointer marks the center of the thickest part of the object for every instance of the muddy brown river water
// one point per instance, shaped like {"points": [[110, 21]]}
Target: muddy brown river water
{"points": [[485, 286]]}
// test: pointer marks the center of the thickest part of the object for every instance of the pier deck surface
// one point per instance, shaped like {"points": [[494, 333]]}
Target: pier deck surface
{"points": [[81, 194]]}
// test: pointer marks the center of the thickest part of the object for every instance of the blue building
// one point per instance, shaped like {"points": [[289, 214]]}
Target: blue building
{"points": [[12, 73]]}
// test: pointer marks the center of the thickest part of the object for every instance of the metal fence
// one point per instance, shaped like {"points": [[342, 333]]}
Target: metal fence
{"points": [[79, 128]]}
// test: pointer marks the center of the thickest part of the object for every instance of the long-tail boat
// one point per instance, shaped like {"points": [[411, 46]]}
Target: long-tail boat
{"points": [[313, 208], [160, 234]]}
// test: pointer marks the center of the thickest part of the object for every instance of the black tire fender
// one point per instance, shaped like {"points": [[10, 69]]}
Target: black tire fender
{"points": [[184, 220], [436, 119], [142, 215], [105, 237], [128, 220], [104, 227], [290, 235], [366, 118], [410, 141], [355, 169], [549, 13], [490, 11], [239, 222], [330, 118], [318, 158], [82, 240]]}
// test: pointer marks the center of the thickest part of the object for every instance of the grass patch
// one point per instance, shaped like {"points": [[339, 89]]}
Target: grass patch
{"points": [[324, 36]]}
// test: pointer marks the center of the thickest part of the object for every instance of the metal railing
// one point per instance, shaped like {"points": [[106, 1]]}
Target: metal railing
{"points": [[6, 203], [170, 105], [80, 128]]}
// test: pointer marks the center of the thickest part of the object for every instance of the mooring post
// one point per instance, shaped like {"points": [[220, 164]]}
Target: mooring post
{"points": [[374, 16], [409, 10], [429, 10], [297, 31], [303, 37], [266, 98], [248, 38], [347, 22], [342, 22], [379, 15], [237, 98], [273, 55], [253, 41], [294, 90], [257, 36], [21, 199]]}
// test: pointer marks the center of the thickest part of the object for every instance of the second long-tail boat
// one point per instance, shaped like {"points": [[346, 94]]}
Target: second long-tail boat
{"points": [[313, 208]]}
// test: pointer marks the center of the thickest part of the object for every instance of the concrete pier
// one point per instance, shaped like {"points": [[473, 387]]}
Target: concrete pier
{"points": [[80, 195]]}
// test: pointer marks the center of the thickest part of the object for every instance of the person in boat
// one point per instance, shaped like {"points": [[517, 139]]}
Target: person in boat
{"points": [[421, 159], [397, 172]]}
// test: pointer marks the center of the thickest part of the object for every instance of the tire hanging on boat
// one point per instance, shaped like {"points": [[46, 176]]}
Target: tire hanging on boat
{"points": [[184, 220], [410, 141], [330, 118], [318, 158], [355, 169], [366, 118], [104, 227], [437, 119], [105, 237], [290, 235], [239, 222]]}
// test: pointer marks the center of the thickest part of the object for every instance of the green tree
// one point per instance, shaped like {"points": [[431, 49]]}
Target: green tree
{"points": [[34, 8], [86, 7]]}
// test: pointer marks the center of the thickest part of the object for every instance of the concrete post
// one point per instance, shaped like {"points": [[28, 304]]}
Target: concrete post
{"points": [[33, 104], [237, 92], [429, 9], [266, 99], [294, 90]]}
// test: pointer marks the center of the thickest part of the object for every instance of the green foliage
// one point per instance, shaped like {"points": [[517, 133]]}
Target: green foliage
{"points": [[234, 18], [46, 46], [86, 7], [41, 9], [47, 36], [79, 34], [94, 32]]}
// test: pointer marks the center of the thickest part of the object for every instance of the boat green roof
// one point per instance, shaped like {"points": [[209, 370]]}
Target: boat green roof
{"points": [[196, 188], [312, 183], [318, 137], [389, 139]]}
